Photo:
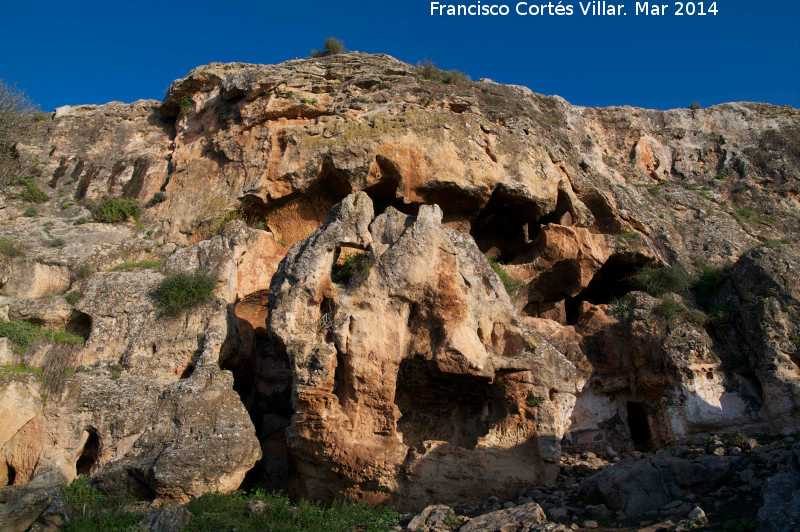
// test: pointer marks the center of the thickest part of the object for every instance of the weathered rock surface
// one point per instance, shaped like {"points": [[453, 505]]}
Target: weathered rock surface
{"points": [[418, 378], [573, 201]]}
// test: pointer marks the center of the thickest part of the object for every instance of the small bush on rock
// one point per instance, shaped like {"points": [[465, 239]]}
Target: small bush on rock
{"points": [[354, 268], [116, 210], [658, 281], [511, 285], [181, 291], [32, 192], [8, 248], [331, 46]]}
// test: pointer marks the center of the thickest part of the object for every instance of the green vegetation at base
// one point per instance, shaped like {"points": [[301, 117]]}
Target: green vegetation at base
{"points": [[116, 210], [93, 511], [23, 333], [214, 511], [140, 265], [181, 291]]}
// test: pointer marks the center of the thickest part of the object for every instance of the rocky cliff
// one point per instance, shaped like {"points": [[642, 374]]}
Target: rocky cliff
{"points": [[643, 289]]}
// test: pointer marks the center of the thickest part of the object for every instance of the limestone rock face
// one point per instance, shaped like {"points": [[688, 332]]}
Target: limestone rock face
{"points": [[147, 411], [415, 378]]}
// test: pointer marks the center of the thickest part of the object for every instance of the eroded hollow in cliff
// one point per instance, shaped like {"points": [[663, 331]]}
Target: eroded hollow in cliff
{"points": [[441, 407], [612, 281], [504, 226], [79, 323], [90, 453]]}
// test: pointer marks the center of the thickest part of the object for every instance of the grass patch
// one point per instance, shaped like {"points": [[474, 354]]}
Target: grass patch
{"points": [[658, 281], [141, 265], [93, 511], [22, 368], [672, 312], [621, 309], [116, 210], [23, 333], [511, 285], [353, 269], [32, 192], [73, 297], [8, 248], [181, 291], [57, 243], [706, 290], [30, 212], [187, 104], [533, 401], [214, 511], [627, 236]]}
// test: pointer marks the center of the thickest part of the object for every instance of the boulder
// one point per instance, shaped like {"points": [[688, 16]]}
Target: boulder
{"points": [[522, 517]]}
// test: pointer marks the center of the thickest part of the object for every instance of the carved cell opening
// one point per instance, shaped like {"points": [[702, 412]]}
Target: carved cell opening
{"points": [[90, 453], [441, 407], [639, 426]]}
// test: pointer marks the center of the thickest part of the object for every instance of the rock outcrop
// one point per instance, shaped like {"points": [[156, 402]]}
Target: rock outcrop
{"points": [[414, 377]]}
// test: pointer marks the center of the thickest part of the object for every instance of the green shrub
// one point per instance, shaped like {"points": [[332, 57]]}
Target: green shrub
{"points": [[352, 270], [85, 270], [30, 212], [621, 309], [116, 210], [187, 104], [511, 285], [40, 116], [73, 297], [428, 71], [23, 333], [658, 281], [57, 243], [743, 213], [8, 248], [331, 46], [158, 197], [534, 401], [671, 312], [48, 225], [80, 221], [695, 106], [32, 192], [141, 265], [229, 216], [181, 291]]}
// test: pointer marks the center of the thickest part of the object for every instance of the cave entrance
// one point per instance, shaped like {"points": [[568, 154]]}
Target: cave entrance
{"points": [[504, 226], [441, 407], [639, 426], [89, 455], [612, 281], [79, 323], [10, 476]]}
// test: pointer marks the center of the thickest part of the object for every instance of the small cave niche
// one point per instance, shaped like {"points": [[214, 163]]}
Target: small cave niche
{"points": [[351, 265], [441, 407], [90, 453], [504, 225], [639, 426], [11, 475], [384, 193], [612, 281], [79, 323], [341, 377], [454, 202]]}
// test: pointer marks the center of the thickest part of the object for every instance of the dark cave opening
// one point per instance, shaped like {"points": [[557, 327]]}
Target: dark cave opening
{"points": [[504, 226], [79, 323], [639, 426], [442, 407], [11, 474], [612, 281], [90, 453]]}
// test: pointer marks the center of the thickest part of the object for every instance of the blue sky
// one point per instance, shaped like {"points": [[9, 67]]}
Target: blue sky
{"points": [[93, 52]]}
